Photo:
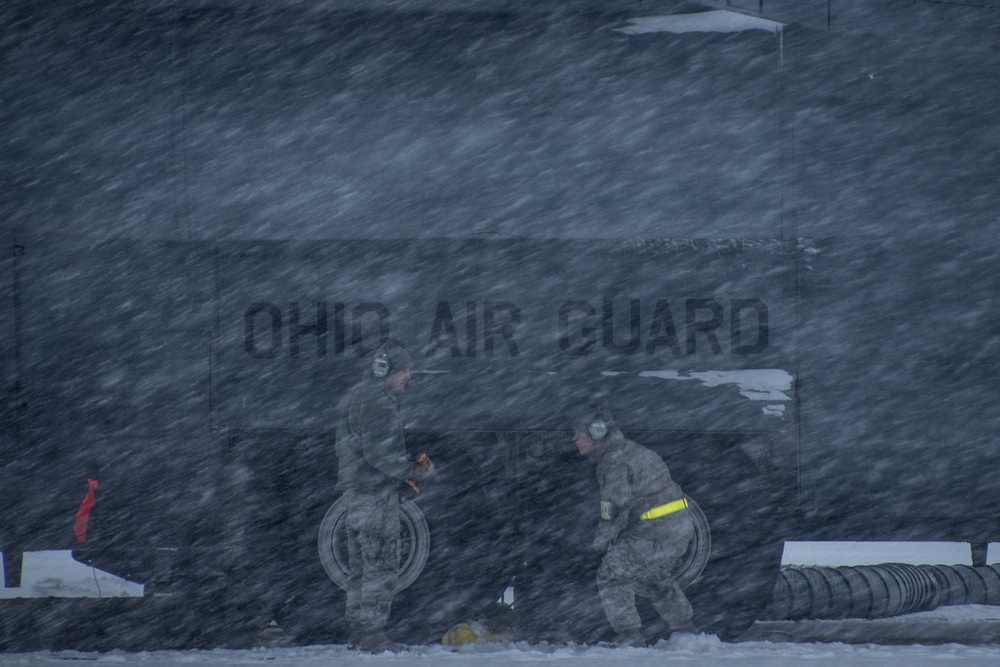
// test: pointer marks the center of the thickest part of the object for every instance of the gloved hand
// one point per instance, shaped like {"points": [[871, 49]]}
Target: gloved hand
{"points": [[421, 471]]}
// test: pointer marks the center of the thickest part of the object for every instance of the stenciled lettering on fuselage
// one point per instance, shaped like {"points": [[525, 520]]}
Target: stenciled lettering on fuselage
{"points": [[470, 328]]}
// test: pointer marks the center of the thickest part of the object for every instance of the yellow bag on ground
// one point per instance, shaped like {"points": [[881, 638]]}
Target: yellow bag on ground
{"points": [[498, 624], [468, 632]]}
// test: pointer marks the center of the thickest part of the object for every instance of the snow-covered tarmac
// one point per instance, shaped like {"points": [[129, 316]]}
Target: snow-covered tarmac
{"points": [[702, 650], [882, 642], [950, 635], [965, 635]]}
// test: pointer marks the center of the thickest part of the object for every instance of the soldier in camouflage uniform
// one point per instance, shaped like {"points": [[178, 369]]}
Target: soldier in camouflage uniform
{"points": [[643, 530], [372, 460]]}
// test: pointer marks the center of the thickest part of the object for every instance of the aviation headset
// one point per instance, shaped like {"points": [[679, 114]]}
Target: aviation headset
{"points": [[380, 364], [600, 423], [598, 429], [389, 358]]}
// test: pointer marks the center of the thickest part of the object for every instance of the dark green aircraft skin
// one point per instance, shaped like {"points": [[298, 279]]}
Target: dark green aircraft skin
{"points": [[212, 214]]}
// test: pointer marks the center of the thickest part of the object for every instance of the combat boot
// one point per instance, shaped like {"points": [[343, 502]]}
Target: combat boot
{"points": [[376, 642], [685, 628], [354, 639], [631, 638]]}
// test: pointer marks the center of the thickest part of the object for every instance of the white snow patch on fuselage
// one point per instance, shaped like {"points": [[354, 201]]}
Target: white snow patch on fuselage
{"points": [[757, 384], [57, 574], [838, 554], [714, 21]]}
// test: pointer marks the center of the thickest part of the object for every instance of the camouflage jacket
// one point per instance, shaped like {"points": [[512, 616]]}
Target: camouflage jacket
{"points": [[371, 449], [634, 479]]}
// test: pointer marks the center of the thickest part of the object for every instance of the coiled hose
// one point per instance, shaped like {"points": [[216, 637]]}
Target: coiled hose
{"points": [[879, 591]]}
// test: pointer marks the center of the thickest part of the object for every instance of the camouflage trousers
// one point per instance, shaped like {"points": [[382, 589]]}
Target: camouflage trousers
{"points": [[642, 567], [372, 520]]}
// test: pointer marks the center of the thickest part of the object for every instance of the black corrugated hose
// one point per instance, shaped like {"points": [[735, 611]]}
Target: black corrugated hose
{"points": [[879, 591]]}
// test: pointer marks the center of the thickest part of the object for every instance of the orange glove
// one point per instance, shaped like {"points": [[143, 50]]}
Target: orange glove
{"points": [[425, 461], [422, 471]]}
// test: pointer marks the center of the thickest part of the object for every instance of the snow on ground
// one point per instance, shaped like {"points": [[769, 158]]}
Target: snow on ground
{"points": [[693, 651], [914, 640], [975, 613], [899, 639]]}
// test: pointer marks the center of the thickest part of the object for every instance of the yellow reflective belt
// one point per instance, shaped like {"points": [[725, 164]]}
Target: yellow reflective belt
{"points": [[664, 510]]}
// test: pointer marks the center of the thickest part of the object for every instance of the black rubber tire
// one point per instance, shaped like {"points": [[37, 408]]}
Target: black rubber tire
{"points": [[693, 563], [414, 546]]}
